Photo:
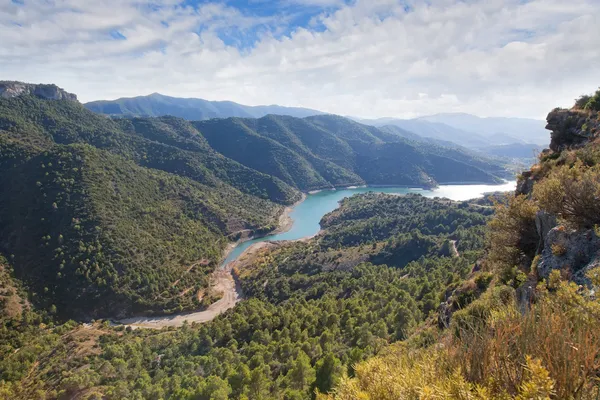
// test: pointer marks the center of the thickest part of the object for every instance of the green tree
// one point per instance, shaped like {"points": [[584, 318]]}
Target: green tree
{"points": [[259, 383], [302, 374], [329, 370]]}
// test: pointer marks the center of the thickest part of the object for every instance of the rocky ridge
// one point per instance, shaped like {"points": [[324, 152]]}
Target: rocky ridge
{"points": [[572, 251], [9, 89], [572, 128]]}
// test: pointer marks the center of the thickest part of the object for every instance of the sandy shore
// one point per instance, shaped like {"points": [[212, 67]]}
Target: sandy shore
{"points": [[285, 220], [223, 280]]}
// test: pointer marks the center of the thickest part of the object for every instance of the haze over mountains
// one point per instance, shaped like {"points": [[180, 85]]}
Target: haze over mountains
{"points": [[504, 137], [157, 105]]}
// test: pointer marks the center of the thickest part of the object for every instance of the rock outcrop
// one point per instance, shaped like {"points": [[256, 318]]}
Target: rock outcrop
{"points": [[544, 223], [10, 89], [574, 251], [525, 183], [572, 128]]}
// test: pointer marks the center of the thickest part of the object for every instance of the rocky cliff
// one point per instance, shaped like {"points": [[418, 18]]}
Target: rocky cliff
{"points": [[10, 89], [572, 251], [572, 128]]}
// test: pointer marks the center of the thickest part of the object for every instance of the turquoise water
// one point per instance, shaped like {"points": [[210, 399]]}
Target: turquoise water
{"points": [[308, 214]]}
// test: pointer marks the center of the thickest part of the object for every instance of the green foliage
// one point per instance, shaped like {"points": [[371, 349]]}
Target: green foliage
{"points": [[303, 327], [124, 215], [571, 192], [167, 143], [513, 237], [325, 151], [589, 102]]}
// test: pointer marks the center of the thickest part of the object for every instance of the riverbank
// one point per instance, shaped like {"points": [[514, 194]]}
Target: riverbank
{"points": [[285, 220], [224, 280], [308, 212], [284, 224]]}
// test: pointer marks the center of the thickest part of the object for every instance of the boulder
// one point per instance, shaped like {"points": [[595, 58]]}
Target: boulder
{"points": [[525, 183], [569, 250], [571, 128], [544, 223]]}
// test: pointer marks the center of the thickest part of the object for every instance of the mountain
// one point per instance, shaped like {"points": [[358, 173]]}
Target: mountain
{"points": [[534, 291], [514, 129], [514, 150], [461, 129], [434, 130], [327, 151], [156, 105], [511, 138], [103, 216], [398, 297], [133, 214]]}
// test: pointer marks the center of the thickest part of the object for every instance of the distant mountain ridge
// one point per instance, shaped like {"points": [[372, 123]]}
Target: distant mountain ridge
{"points": [[509, 138], [514, 135], [503, 130], [192, 109]]}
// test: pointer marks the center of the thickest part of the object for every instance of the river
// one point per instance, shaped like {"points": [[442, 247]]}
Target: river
{"points": [[308, 214], [306, 217]]}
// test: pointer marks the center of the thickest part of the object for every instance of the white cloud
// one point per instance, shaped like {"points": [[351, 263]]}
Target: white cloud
{"points": [[374, 58]]}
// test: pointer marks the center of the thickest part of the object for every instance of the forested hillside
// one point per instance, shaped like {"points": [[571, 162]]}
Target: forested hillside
{"points": [[313, 310], [534, 333], [104, 217], [158, 105], [328, 151]]}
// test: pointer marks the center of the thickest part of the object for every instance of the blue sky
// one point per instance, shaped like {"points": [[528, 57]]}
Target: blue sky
{"points": [[369, 58]]}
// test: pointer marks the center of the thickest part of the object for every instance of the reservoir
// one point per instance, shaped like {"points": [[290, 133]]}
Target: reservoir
{"points": [[308, 214]]}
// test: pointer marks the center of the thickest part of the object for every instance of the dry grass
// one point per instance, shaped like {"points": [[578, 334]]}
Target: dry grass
{"points": [[495, 352], [561, 331]]}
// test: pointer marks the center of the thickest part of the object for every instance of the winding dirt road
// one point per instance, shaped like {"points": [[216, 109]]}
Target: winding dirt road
{"points": [[223, 281]]}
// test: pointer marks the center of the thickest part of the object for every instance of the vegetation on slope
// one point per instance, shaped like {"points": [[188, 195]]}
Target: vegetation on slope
{"points": [[326, 151], [110, 218], [158, 105], [113, 238], [168, 144], [310, 317], [534, 332]]}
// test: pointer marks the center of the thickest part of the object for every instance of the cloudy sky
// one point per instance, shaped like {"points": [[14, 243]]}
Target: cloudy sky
{"points": [[369, 58]]}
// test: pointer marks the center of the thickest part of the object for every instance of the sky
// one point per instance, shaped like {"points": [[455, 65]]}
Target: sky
{"points": [[365, 58]]}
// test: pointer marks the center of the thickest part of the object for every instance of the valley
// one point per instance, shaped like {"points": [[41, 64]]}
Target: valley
{"points": [[287, 258], [301, 222], [299, 200]]}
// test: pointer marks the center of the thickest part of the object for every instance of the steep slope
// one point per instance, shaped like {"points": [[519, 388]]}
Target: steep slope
{"points": [[104, 217], [525, 323], [286, 150], [94, 234], [313, 312], [157, 105], [168, 144], [327, 151]]}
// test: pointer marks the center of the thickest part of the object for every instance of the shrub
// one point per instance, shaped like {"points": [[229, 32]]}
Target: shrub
{"points": [[571, 193], [558, 249], [483, 280], [401, 373], [593, 102], [513, 237], [509, 349]]}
